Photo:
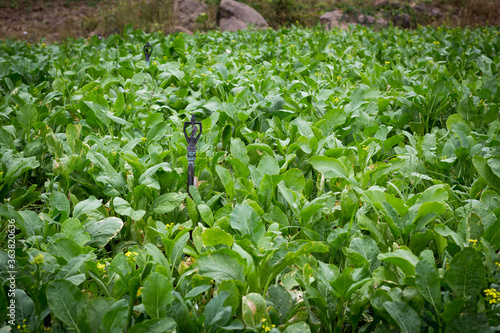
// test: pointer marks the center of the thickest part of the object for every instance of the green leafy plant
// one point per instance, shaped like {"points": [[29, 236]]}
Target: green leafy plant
{"points": [[346, 181]]}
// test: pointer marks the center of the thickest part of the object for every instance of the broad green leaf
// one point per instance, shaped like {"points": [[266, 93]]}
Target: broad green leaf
{"points": [[115, 319], [482, 166], [406, 318], [26, 116], [216, 314], [60, 202], [281, 299], [494, 164], [33, 225], [232, 287], [145, 178], [73, 229], [103, 231], [300, 327], [160, 325], [166, 203], [68, 304], [157, 255], [428, 283], [466, 274], [19, 167], [156, 295], [445, 231], [247, 221], [492, 235], [436, 193], [224, 264], [64, 247], [123, 207], [254, 310], [24, 306], [196, 291], [215, 236], [96, 309], [227, 180], [469, 321], [191, 207], [268, 165], [427, 212], [71, 271], [329, 166], [86, 206], [368, 249], [180, 241], [286, 255], [333, 119], [402, 258], [206, 214]]}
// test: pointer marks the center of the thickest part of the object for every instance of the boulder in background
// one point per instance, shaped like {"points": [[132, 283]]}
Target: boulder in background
{"points": [[235, 16], [188, 11]]}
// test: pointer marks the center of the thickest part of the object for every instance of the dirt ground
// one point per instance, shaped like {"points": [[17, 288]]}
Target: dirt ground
{"points": [[32, 20], [55, 20]]}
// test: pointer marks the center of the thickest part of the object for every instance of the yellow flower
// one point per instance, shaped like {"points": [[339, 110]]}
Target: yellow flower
{"points": [[292, 45], [38, 260], [139, 292], [387, 62], [154, 62], [492, 295], [143, 139], [101, 267], [498, 264], [165, 58]]}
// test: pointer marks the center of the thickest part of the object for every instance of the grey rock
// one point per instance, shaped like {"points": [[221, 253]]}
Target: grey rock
{"points": [[380, 3], [381, 22], [188, 11], [236, 15], [403, 20], [366, 19], [419, 7], [331, 17], [183, 30], [435, 12], [232, 24]]}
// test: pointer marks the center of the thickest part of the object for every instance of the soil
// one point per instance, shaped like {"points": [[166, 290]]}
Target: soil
{"points": [[53, 20]]}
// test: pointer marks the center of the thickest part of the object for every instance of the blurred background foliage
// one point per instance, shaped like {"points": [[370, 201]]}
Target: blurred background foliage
{"points": [[59, 19]]}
